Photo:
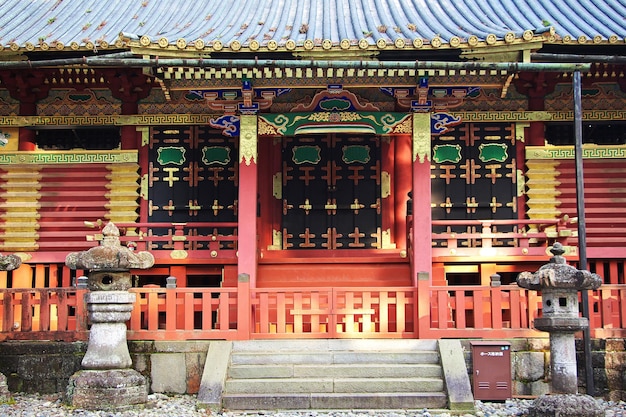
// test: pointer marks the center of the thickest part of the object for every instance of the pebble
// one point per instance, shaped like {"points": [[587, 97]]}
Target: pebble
{"points": [[160, 405]]}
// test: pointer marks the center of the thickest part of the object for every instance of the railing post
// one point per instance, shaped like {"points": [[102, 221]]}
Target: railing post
{"points": [[423, 304], [81, 308], [496, 302], [243, 307], [170, 303], [7, 313]]}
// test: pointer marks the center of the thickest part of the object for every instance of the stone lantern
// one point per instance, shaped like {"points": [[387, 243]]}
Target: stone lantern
{"points": [[7, 263], [107, 380], [559, 284]]}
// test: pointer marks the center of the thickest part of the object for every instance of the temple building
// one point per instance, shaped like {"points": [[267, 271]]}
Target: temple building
{"points": [[308, 168]]}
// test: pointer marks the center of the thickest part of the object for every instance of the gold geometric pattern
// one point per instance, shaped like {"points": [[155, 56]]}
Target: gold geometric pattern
{"points": [[67, 157], [567, 152], [204, 119], [538, 116]]}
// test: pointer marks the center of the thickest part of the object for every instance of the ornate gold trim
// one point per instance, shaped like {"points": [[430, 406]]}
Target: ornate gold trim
{"points": [[277, 240], [385, 184], [277, 185], [145, 135], [248, 139], [386, 240], [68, 157], [179, 254], [204, 119], [538, 116], [519, 131], [421, 137], [567, 152]]}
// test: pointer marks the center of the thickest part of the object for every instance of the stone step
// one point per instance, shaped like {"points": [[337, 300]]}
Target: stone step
{"points": [[330, 345], [336, 401], [337, 374], [332, 385], [334, 357], [386, 370]]}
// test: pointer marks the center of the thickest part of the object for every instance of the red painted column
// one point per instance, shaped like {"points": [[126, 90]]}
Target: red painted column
{"points": [[422, 215], [248, 190], [27, 139], [402, 180]]}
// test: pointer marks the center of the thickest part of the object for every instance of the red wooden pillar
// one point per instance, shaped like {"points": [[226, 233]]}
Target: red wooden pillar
{"points": [[244, 314], [28, 88], [422, 216], [402, 185], [248, 189], [536, 86], [27, 137]]}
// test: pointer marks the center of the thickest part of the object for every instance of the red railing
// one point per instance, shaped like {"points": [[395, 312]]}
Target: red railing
{"points": [[43, 313], [334, 312], [607, 311], [239, 313], [183, 313], [477, 311], [214, 239], [488, 237]]}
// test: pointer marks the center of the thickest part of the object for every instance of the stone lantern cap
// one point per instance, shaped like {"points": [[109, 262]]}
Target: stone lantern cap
{"points": [[110, 255], [9, 262], [557, 274]]}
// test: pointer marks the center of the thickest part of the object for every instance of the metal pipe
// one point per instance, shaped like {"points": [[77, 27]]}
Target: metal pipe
{"points": [[582, 228], [253, 63], [610, 59]]}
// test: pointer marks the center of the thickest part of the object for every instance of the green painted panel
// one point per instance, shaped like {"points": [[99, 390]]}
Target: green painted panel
{"points": [[306, 154], [171, 155], [356, 153], [216, 155], [493, 152], [447, 153]]}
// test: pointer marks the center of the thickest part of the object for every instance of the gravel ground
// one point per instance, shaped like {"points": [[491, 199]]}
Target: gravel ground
{"points": [[185, 406]]}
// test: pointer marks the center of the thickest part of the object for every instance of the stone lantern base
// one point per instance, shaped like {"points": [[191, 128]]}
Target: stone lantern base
{"points": [[106, 389], [4, 388], [570, 405]]}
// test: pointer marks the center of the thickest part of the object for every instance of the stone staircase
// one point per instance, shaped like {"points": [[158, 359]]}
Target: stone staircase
{"points": [[334, 374]]}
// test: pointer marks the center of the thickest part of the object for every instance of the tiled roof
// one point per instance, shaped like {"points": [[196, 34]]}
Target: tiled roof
{"points": [[301, 25]]}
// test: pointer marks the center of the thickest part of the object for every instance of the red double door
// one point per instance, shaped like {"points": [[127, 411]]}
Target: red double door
{"points": [[331, 192]]}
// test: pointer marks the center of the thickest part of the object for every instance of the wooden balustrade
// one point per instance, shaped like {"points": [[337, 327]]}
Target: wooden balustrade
{"points": [[334, 312], [214, 239], [43, 314], [489, 237], [240, 312], [462, 311], [183, 313], [607, 311]]}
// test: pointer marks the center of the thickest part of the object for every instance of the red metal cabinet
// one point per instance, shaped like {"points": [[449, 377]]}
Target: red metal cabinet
{"points": [[491, 374]]}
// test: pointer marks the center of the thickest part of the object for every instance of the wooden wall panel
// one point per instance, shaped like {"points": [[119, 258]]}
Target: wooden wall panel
{"points": [[551, 193], [44, 207]]}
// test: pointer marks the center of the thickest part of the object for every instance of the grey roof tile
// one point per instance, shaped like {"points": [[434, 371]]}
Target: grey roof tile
{"points": [[56, 23]]}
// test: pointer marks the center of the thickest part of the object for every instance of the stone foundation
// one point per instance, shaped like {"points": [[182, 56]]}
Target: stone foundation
{"points": [[176, 367], [106, 389]]}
